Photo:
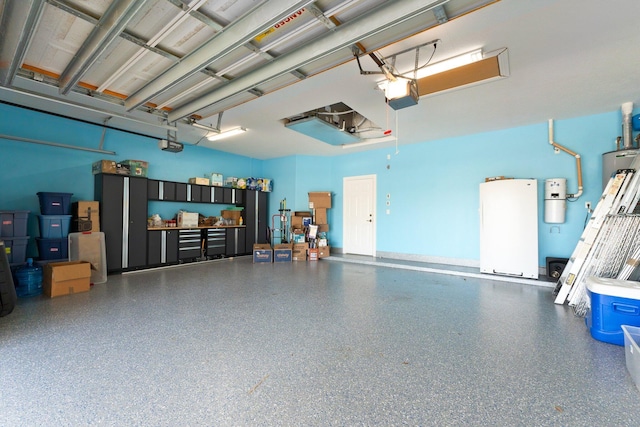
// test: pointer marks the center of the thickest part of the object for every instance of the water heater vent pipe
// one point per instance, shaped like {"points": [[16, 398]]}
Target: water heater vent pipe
{"points": [[576, 155]]}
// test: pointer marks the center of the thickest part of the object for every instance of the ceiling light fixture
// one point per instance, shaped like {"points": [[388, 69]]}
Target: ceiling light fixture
{"points": [[450, 63], [226, 133], [435, 68], [460, 71], [370, 141], [204, 127]]}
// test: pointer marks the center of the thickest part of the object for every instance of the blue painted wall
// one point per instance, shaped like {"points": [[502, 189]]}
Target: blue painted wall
{"points": [[433, 185]]}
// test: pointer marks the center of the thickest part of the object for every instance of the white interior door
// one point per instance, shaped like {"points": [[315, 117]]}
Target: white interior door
{"points": [[359, 219]]}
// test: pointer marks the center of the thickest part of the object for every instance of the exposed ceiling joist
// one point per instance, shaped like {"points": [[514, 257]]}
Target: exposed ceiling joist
{"points": [[18, 21], [111, 24], [235, 35], [378, 19]]}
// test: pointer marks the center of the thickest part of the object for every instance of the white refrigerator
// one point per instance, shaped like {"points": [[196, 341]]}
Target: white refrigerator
{"points": [[509, 227]]}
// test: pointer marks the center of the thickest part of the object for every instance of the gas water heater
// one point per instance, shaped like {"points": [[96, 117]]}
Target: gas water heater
{"points": [[555, 200]]}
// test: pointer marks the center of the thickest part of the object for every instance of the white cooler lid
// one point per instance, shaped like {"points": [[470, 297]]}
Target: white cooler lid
{"points": [[614, 287]]}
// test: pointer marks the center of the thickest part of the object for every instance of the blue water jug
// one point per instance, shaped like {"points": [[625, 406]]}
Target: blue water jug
{"points": [[29, 280]]}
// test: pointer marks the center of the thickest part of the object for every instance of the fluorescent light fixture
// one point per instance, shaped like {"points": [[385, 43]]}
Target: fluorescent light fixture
{"points": [[465, 70], [370, 141], [226, 133], [429, 70], [450, 63], [204, 127]]}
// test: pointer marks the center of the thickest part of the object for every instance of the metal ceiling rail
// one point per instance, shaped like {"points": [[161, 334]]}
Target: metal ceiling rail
{"points": [[174, 23], [111, 24], [18, 21], [112, 114], [383, 17], [56, 144], [257, 21]]}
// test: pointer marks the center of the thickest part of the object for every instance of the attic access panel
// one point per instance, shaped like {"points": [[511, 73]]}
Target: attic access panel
{"points": [[336, 124]]}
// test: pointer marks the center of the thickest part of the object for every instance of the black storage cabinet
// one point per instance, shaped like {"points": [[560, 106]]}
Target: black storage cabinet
{"points": [[255, 216], [162, 247], [123, 219]]}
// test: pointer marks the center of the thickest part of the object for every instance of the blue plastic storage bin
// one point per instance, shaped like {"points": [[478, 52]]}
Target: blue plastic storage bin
{"points": [[16, 248], [13, 223], [613, 303], [54, 226], [53, 248], [55, 203]]}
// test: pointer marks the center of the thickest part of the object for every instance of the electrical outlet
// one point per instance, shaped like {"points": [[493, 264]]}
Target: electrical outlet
{"points": [[587, 205]]}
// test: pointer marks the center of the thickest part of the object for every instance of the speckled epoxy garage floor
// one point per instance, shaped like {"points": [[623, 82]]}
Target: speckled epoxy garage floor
{"points": [[230, 343]]}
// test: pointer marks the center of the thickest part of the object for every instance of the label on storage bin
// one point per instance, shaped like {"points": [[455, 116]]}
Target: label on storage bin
{"points": [[53, 250], [7, 222], [55, 203]]}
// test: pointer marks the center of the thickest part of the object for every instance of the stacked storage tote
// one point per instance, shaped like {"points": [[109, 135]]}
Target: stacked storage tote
{"points": [[13, 231], [54, 222]]}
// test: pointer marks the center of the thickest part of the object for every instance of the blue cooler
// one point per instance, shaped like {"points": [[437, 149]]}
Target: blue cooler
{"points": [[613, 303]]}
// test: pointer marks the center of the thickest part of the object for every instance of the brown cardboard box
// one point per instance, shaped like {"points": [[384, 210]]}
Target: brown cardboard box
{"points": [[63, 278], [323, 251], [109, 166], [313, 254], [83, 212], [187, 219], [282, 252], [262, 252], [323, 228], [136, 167], [296, 222], [320, 199], [300, 251], [199, 181], [81, 208], [321, 216]]}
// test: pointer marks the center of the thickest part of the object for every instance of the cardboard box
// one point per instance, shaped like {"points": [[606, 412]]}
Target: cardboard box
{"points": [[321, 216], [296, 222], [187, 219], [64, 278], [136, 167], [320, 199], [86, 216], [85, 208], [313, 254], [323, 251], [216, 179], [109, 166], [199, 181], [233, 215], [323, 228], [283, 252], [300, 251], [298, 238], [262, 252]]}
